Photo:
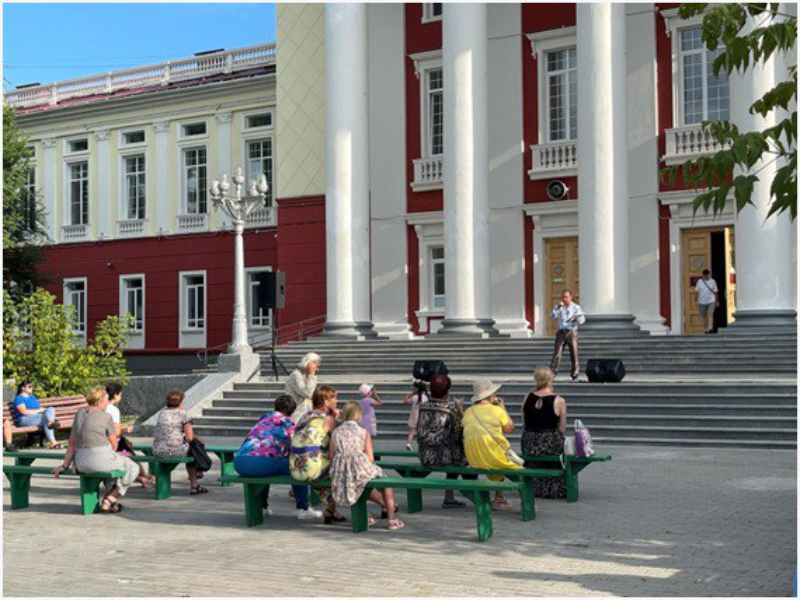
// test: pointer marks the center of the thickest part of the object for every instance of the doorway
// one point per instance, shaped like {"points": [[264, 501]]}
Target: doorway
{"points": [[713, 249], [562, 273]]}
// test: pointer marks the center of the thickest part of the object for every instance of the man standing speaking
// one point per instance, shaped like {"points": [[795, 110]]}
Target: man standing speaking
{"points": [[569, 315]]}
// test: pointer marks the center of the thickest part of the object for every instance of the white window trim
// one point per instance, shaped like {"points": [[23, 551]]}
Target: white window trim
{"points": [[427, 13], [429, 229], [137, 145], [542, 43], [199, 136], [432, 276], [184, 308], [424, 62], [67, 203], [65, 285], [78, 153], [263, 128], [137, 336], [191, 144], [130, 152], [255, 135], [248, 300]]}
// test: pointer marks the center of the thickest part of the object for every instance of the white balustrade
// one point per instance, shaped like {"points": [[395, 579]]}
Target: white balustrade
{"points": [[189, 223], [262, 217], [554, 159], [428, 174], [130, 227], [688, 143], [74, 233], [158, 74]]}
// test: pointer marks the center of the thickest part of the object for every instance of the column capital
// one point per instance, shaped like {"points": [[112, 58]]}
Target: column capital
{"points": [[161, 127], [223, 117], [102, 135], [48, 142]]}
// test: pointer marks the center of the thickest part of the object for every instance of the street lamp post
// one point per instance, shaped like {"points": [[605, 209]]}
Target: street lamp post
{"points": [[238, 207]]}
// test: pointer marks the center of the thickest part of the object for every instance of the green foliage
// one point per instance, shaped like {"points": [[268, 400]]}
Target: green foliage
{"points": [[726, 26], [39, 344]]}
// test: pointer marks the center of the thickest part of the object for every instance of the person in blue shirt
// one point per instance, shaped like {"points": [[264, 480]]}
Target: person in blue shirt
{"points": [[29, 413], [569, 315]]}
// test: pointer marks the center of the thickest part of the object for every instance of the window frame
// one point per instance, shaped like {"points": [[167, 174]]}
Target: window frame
{"points": [[123, 300], [66, 292], [260, 128], [427, 12], [195, 136], [424, 62], [432, 263], [124, 157], [182, 180], [68, 164], [249, 271], [68, 151], [30, 198], [253, 137], [547, 74], [134, 145], [185, 326]]}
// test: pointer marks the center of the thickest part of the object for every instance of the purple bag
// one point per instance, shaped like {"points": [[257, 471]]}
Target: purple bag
{"points": [[583, 440]]}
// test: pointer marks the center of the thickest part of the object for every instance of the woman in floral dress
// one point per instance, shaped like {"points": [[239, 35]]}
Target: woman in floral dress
{"points": [[353, 466]]}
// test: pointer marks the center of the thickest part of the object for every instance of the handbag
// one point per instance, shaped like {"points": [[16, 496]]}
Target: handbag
{"points": [[197, 450], [583, 440], [510, 454], [124, 445]]}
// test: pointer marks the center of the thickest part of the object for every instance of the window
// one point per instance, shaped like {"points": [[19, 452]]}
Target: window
{"points": [[194, 292], [437, 276], [79, 193], [259, 161], [705, 97], [194, 180], [131, 138], [77, 145], [562, 94], [132, 300], [435, 112], [192, 129], [431, 11], [135, 187], [259, 120], [75, 296], [257, 317], [28, 198]]}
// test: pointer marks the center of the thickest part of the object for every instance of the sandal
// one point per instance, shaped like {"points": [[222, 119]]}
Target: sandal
{"points": [[395, 524], [198, 490], [109, 507], [385, 513], [334, 518], [371, 521]]}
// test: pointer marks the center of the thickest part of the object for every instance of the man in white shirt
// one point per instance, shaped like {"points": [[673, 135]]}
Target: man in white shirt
{"points": [[569, 315], [707, 299]]}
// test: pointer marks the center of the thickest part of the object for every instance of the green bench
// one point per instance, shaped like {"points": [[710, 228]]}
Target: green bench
{"points": [[19, 477], [225, 455], [572, 465], [478, 492], [160, 466]]}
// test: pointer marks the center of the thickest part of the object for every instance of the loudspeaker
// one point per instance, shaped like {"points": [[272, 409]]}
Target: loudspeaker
{"points": [[605, 370], [424, 370], [271, 289]]}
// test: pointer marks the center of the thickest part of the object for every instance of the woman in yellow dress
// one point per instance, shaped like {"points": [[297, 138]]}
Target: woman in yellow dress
{"points": [[485, 424]]}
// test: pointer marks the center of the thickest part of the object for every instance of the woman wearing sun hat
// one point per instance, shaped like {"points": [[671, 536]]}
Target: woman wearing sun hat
{"points": [[484, 424], [301, 384]]}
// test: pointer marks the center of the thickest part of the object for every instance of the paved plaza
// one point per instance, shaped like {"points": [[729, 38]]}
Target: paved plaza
{"points": [[653, 522]]}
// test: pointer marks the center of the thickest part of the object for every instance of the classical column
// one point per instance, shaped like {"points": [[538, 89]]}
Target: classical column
{"points": [[50, 171], [162, 200], [347, 171], [603, 169], [223, 120], [466, 172], [105, 225], [765, 277]]}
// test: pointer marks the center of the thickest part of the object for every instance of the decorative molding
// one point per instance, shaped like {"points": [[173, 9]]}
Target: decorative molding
{"points": [[425, 218], [224, 117], [161, 127], [421, 59], [550, 34], [48, 142], [102, 135]]}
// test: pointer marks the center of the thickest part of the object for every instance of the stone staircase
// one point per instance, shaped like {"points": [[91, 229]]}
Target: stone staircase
{"points": [[734, 397]]}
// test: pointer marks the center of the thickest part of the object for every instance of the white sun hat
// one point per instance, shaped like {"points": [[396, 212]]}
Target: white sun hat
{"points": [[309, 358], [365, 389], [483, 388]]}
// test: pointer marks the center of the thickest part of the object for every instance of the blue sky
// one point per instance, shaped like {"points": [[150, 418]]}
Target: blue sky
{"points": [[52, 42]]}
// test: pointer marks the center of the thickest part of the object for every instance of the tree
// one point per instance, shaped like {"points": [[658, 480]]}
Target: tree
{"points": [[23, 215], [725, 27], [39, 344]]}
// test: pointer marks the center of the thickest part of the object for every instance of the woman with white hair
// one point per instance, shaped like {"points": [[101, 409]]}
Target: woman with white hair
{"points": [[301, 384]]}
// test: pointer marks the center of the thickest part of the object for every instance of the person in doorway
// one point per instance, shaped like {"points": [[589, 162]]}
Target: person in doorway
{"points": [[569, 315], [707, 300]]}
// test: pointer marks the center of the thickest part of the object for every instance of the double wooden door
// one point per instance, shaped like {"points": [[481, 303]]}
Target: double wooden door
{"points": [[562, 273]]}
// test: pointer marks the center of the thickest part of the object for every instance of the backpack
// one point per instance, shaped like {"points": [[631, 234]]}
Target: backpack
{"points": [[197, 450], [583, 440]]}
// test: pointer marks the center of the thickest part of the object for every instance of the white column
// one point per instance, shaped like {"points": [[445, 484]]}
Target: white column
{"points": [[764, 273], [603, 168], [50, 174], [239, 343], [466, 171], [224, 157], [105, 226], [347, 171], [161, 208]]}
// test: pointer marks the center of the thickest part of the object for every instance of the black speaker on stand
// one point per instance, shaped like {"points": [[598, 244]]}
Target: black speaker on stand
{"points": [[605, 370]]}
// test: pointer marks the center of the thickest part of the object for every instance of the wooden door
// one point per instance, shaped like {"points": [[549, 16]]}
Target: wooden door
{"points": [[696, 245], [562, 273], [730, 271]]}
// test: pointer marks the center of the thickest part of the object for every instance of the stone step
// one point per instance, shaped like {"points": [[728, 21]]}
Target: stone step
{"points": [[526, 368]]}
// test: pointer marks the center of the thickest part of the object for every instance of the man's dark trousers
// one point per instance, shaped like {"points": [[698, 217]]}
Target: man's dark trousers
{"points": [[566, 337]]}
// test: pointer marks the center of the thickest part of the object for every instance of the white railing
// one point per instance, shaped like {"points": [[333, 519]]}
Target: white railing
{"points": [[158, 74], [262, 217], [131, 227], [73, 233], [687, 143], [428, 174], [555, 159], [188, 223]]}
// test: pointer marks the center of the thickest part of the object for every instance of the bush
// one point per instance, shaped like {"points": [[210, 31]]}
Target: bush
{"points": [[40, 345]]}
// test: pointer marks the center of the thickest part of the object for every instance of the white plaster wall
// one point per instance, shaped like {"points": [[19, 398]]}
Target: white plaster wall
{"points": [[643, 167], [387, 159], [506, 234]]}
